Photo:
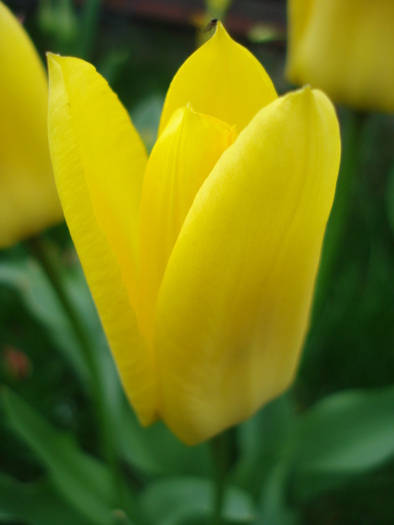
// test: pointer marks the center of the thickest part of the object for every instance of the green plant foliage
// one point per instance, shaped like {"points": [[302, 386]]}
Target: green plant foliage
{"points": [[41, 300], [274, 508], [146, 118], [390, 199], [38, 503], [156, 451], [176, 501], [261, 443], [342, 435], [83, 481]]}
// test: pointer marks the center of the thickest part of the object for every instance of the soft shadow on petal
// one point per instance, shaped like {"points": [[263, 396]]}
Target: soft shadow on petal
{"points": [[181, 160], [222, 79], [98, 161], [28, 197], [233, 308]]}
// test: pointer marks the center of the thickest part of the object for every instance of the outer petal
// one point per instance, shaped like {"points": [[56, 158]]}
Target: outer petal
{"points": [[181, 160], [234, 303], [222, 79], [99, 161], [344, 48], [28, 197]]}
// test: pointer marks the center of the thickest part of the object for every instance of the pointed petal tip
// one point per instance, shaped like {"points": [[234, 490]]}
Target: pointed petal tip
{"points": [[220, 31], [54, 63], [53, 57], [310, 96], [222, 79], [304, 96], [304, 91]]}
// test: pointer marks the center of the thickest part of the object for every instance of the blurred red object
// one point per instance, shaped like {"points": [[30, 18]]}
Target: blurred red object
{"points": [[16, 363]]}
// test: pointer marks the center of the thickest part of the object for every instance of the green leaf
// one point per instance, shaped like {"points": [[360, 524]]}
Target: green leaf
{"points": [[83, 481], [37, 503], [265, 32], [110, 67], [58, 19], [342, 435], [176, 501], [39, 297], [261, 442], [390, 198], [146, 117], [156, 451], [273, 499]]}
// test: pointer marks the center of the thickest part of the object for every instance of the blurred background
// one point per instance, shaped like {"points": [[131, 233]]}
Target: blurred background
{"points": [[138, 45]]}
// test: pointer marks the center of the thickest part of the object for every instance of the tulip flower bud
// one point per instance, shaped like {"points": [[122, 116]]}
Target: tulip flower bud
{"points": [[202, 258], [28, 197], [344, 48]]}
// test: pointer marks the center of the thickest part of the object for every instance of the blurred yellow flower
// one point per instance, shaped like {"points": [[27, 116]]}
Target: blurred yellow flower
{"points": [[344, 47], [202, 258], [28, 197]]}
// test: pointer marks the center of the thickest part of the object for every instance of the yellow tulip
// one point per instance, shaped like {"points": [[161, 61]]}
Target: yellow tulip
{"points": [[202, 258], [344, 47], [28, 197]]}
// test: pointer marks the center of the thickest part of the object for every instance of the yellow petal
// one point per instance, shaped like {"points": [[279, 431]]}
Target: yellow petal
{"points": [[222, 79], [181, 160], [344, 48], [98, 161], [28, 197], [233, 307]]}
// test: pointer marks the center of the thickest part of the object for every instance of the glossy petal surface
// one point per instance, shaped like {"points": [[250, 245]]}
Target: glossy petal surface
{"points": [[28, 197], [99, 161], [181, 160], [221, 79], [234, 303], [344, 48]]}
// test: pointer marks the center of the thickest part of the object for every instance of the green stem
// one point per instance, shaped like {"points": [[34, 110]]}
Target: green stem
{"points": [[220, 452], [43, 253], [337, 224], [217, 9], [90, 19]]}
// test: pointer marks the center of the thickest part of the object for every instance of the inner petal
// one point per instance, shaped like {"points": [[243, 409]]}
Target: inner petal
{"points": [[181, 160], [222, 79]]}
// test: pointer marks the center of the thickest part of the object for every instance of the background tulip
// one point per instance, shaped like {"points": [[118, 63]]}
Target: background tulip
{"points": [[28, 197], [202, 259], [344, 48]]}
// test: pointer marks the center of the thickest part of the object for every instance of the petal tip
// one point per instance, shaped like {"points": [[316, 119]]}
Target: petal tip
{"points": [[54, 63], [220, 30], [306, 96], [53, 57]]}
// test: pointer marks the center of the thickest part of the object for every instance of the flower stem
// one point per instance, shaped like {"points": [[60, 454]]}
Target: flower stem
{"points": [[337, 224], [90, 18], [43, 254], [220, 453]]}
